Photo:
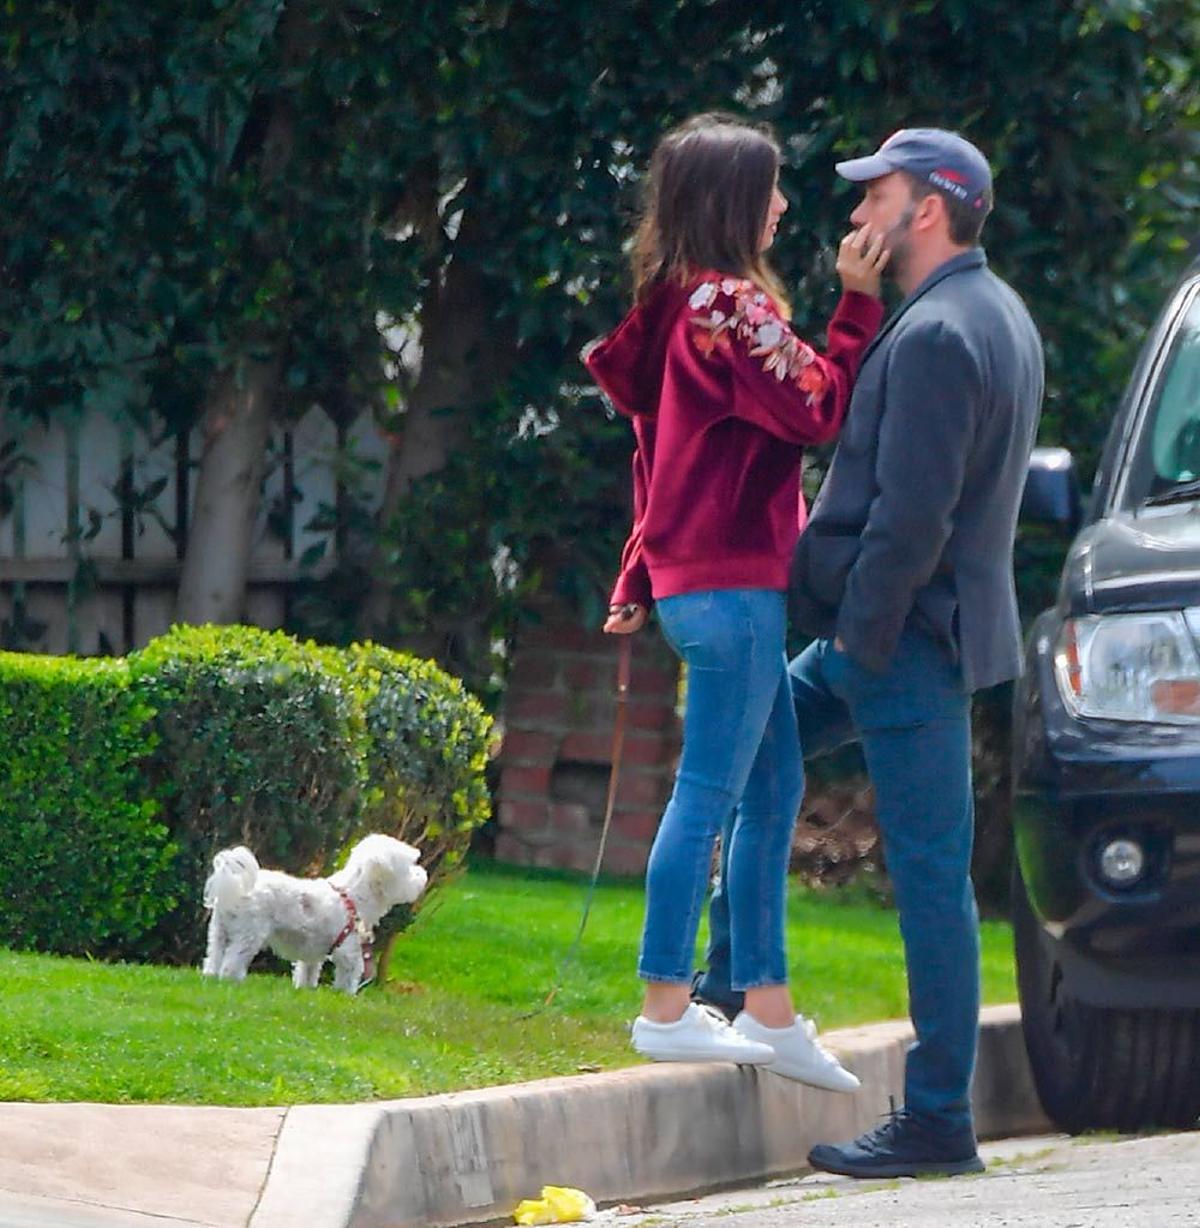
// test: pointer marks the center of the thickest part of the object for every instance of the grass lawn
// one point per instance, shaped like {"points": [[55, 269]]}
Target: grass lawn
{"points": [[479, 959]]}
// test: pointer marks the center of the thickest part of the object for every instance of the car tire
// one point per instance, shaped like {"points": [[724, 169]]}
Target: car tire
{"points": [[1097, 1068]]}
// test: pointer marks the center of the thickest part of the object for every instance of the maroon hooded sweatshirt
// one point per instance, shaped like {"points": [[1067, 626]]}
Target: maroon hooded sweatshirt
{"points": [[723, 397]]}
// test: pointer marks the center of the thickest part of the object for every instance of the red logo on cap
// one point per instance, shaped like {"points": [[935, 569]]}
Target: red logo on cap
{"points": [[954, 175]]}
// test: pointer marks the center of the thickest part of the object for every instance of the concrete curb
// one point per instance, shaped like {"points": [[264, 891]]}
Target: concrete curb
{"points": [[650, 1132]]}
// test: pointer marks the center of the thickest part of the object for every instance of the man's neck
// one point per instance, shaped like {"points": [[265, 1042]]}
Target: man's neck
{"points": [[921, 264]]}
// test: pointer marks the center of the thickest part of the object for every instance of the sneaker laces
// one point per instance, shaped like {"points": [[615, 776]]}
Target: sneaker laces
{"points": [[712, 1019], [880, 1137]]}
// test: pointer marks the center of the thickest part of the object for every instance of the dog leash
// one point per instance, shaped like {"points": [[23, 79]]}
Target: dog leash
{"points": [[624, 667]]}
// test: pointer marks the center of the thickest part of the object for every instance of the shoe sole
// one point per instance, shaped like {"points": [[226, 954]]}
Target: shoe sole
{"points": [[815, 1080], [917, 1168], [703, 1057]]}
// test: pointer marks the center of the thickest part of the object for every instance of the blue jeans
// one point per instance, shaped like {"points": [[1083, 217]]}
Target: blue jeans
{"points": [[740, 752], [914, 722]]}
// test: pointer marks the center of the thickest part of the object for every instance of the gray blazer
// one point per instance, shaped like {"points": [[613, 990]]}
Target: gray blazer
{"points": [[916, 518]]}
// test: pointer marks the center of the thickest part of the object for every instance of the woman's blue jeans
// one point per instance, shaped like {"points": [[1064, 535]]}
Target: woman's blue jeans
{"points": [[741, 752]]}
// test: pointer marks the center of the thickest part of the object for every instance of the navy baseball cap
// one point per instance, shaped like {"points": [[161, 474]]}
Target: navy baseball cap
{"points": [[945, 160]]}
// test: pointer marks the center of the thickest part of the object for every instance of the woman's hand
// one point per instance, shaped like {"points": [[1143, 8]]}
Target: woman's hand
{"points": [[861, 261], [625, 619]]}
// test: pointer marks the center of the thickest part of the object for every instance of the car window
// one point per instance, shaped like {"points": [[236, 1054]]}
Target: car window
{"points": [[1168, 450]]}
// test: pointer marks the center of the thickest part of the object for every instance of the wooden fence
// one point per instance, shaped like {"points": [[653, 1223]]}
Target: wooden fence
{"points": [[91, 546]]}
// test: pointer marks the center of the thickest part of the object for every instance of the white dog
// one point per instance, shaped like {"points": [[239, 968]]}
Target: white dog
{"points": [[307, 920]]}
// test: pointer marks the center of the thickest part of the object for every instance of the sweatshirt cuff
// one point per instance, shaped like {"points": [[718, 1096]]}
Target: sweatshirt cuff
{"points": [[864, 309], [628, 590]]}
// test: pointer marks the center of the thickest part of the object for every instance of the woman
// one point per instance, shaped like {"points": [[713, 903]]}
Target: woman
{"points": [[723, 397]]}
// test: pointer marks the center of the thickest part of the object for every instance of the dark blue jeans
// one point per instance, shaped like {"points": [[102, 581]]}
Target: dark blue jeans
{"points": [[914, 722]]}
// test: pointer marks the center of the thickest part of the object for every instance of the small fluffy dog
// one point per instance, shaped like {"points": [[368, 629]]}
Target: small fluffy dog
{"points": [[307, 920]]}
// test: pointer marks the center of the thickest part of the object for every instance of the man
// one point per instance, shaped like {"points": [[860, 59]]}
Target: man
{"points": [[904, 575]]}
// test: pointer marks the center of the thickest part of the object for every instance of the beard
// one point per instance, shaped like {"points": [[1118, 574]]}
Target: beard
{"points": [[897, 243]]}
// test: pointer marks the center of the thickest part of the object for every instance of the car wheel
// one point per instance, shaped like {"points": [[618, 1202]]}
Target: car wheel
{"points": [[1098, 1068]]}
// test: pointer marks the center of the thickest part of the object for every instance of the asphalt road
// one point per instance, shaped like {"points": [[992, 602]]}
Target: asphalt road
{"points": [[1048, 1182]]}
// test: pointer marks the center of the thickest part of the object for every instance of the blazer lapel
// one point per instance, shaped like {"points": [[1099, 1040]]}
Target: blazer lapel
{"points": [[972, 259]]}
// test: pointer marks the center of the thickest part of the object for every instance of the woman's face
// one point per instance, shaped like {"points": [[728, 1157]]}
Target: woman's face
{"points": [[775, 210]]}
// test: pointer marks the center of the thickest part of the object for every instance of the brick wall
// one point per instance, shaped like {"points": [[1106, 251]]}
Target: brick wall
{"points": [[558, 726]]}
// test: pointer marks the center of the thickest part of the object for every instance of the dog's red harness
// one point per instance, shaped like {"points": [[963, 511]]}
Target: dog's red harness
{"points": [[353, 923]]}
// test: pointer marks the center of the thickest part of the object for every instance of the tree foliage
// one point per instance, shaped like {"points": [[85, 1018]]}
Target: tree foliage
{"points": [[195, 188]]}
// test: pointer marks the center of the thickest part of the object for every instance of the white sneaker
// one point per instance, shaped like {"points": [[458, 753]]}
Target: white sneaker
{"points": [[700, 1035], [799, 1054]]}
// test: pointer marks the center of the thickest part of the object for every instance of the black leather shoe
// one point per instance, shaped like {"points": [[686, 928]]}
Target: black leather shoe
{"points": [[902, 1146]]}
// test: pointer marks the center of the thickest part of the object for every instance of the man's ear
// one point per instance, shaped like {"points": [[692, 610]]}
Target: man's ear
{"points": [[931, 213]]}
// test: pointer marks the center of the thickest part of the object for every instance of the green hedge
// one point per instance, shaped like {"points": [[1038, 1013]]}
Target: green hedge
{"points": [[120, 779], [85, 859]]}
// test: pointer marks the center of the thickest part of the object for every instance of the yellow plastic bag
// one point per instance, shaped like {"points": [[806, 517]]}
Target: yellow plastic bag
{"points": [[559, 1204]]}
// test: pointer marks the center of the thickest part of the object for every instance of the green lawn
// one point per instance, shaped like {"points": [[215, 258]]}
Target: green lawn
{"points": [[479, 961]]}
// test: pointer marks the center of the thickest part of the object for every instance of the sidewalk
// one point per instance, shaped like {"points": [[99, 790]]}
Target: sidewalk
{"points": [[650, 1131]]}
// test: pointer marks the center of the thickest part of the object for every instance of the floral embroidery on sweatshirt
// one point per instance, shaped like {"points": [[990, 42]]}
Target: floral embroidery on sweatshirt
{"points": [[754, 320]]}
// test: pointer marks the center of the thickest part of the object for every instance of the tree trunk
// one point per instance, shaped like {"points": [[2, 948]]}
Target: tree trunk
{"points": [[216, 563], [462, 361], [238, 409]]}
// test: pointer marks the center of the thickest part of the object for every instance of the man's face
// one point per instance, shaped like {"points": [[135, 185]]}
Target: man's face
{"points": [[888, 206]]}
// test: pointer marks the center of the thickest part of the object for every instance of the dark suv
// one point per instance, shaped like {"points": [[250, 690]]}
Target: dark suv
{"points": [[1106, 738]]}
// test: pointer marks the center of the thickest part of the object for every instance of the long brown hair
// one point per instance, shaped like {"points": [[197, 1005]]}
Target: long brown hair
{"points": [[706, 203]]}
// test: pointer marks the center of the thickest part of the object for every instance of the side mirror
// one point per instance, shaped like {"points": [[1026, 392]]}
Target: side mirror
{"points": [[1052, 494]]}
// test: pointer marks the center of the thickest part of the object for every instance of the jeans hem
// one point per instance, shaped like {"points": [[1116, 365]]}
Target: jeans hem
{"points": [[655, 978], [767, 984]]}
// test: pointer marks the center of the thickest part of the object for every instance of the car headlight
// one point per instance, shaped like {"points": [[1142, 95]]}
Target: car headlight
{"points": [[1130, 667]]}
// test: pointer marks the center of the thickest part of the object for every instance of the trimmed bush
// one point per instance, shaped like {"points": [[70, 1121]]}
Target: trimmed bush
{"points": [[258, 743], [212, 736], [86, 862], [427, 748]]}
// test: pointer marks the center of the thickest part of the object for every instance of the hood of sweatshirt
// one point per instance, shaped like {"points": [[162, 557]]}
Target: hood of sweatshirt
{"points": [[629, 363]]}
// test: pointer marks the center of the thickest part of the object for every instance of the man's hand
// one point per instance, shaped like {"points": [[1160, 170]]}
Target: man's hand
{"points": [[625, 619]]}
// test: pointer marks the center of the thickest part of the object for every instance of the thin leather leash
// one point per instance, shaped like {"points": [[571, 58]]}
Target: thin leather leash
{"points": [[624, 667]]}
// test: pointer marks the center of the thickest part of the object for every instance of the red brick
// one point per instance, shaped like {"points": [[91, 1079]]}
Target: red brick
{"points": [[586, 673], [626, 859], [552, 857], [512, 850], [651, 716], [525, 780], [574, 856], [532, 709], [649, 749], [637, 825], [587, 747], [573, 818], [560, 636], [657, 683], [593, 711], [653, 651], [524, 816], [534, 670], [642, 789], [528, 746]]}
